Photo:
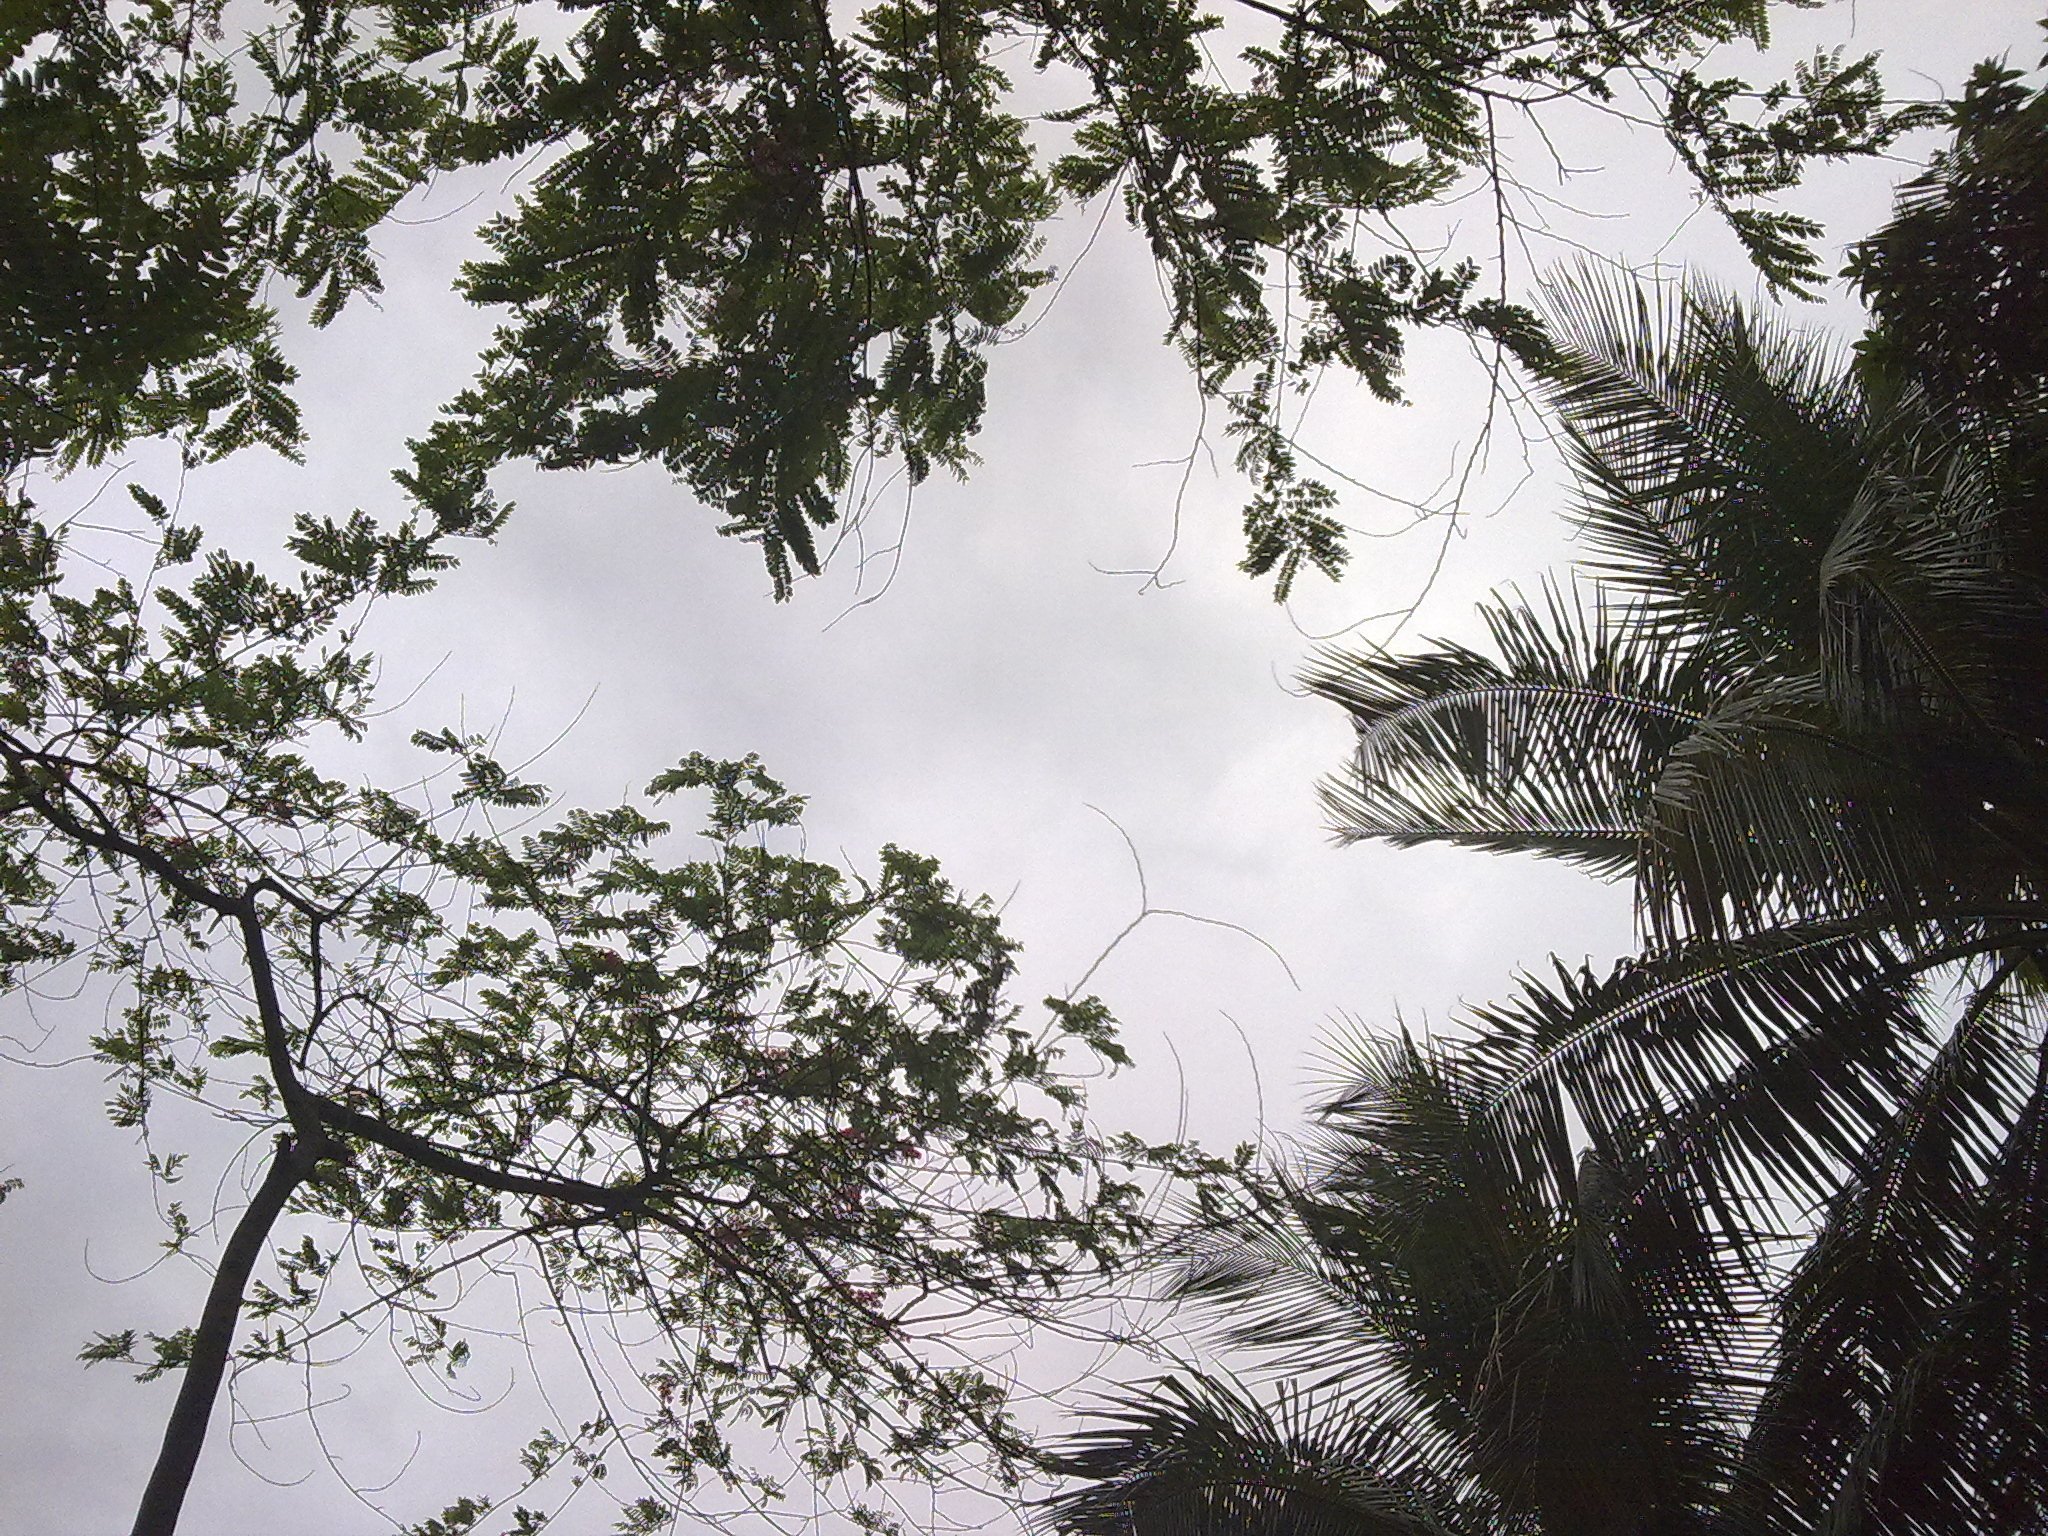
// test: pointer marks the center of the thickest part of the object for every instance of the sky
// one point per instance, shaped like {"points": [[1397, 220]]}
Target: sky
{"points": [[1075, 742]]}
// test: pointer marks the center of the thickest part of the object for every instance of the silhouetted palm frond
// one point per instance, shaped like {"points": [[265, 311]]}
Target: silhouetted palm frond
{"points": [[1808, 713], [1714, 455], [1200, 1458], [1549, 749]]}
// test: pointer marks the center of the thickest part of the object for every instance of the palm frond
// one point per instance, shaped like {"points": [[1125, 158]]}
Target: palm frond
{"points": [[1913, 1387], [1381, 1264], [1918, 610], [1714, 454], [1770, 813], [1202, 1458], [1808, 712], [1761, 1068], [1545, 1334], [1550, 749]]}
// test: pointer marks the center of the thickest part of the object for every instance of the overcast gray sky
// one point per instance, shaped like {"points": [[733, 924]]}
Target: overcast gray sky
{"points": [[997, 704]]}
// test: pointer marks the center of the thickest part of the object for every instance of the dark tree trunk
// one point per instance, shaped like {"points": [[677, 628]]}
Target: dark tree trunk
{"points": [[186, 1431]]}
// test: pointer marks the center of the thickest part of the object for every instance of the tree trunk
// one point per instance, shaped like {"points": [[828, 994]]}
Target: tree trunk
{"points": [[186, 1431]]}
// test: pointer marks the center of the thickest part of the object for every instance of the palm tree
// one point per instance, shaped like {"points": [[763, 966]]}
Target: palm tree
{"points": [[1468, 1354], [1806, 713], [1804, 709]]}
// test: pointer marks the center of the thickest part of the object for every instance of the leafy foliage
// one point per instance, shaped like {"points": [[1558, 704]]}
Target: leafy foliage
{"points": [[769, 1122], [161, 176], [766, 243]]}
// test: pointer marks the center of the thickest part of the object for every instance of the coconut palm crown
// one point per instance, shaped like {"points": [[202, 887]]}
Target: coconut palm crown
{"points": [[1747, 1234]]}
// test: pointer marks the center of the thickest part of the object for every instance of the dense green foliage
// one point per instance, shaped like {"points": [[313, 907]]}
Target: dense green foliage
{"points": [[764, 242], [1744, 1235]]}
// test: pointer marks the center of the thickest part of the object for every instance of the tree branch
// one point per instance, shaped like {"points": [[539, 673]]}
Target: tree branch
{"points": [[621, 1199], [185, 1433]]}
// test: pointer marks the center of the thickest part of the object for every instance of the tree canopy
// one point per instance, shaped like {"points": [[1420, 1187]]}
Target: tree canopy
{"points": [[763, 243], [760, 1122]]}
